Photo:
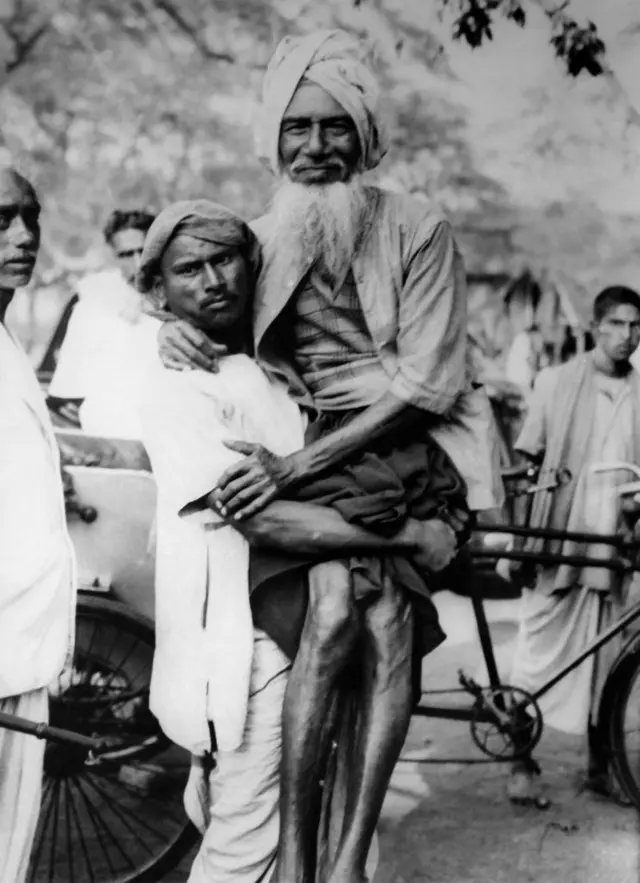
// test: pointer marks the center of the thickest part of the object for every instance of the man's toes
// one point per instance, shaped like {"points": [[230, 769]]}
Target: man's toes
{"points": [[523, 790]]}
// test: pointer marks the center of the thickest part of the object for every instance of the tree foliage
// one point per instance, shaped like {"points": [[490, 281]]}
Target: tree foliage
{"points": [[148, 101], [578, 45], [134, 103]]}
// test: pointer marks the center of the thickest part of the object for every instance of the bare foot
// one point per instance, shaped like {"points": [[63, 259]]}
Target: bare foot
{"points": [[604, 784], [524, 790]]}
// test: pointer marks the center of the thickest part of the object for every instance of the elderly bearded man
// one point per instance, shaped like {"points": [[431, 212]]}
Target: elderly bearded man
{"points": [[363, 313], [37, 599]]}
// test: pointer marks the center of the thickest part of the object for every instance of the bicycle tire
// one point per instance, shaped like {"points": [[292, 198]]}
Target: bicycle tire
{"points": [[109, 787], [620, 709]]}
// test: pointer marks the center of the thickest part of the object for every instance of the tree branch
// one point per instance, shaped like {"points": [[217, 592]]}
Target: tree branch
{"points": [[554, 14], [192, 33], [23, 46]]}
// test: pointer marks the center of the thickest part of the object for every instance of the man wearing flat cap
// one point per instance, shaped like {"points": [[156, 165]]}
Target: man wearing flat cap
{"points": [[361, 308], [217, 683]]}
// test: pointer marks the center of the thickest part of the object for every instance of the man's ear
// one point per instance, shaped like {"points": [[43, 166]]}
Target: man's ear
{"points": [[157, 293], [156, 299]]}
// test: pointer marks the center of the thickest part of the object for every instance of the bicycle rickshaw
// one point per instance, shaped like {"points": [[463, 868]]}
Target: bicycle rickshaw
{"points": [[113, 784], [506, 722]]}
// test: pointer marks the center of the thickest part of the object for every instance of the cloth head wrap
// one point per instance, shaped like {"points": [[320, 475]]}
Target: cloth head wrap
{"points": [[202, 219], [335, 61]]}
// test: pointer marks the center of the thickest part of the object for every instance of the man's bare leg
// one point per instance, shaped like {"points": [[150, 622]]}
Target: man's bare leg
{"points": [[386, 702], [328, 639]]}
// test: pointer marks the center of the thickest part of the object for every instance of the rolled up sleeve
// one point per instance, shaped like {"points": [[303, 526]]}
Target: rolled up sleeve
{"points": [[432, 324]]}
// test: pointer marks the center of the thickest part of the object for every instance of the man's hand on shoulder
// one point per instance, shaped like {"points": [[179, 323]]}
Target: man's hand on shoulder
{"points": [[182, 347], [247, 487]]}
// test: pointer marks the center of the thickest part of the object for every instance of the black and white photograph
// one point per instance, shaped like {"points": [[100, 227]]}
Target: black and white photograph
{"points": [[319, 441]]}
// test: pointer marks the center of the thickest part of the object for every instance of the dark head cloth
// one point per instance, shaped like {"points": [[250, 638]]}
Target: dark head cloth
{"points": [[202, 219]]}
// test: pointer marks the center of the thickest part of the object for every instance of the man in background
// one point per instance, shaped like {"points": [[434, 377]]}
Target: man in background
{"points": [[580, 413], [37, 579], [109, 341]]}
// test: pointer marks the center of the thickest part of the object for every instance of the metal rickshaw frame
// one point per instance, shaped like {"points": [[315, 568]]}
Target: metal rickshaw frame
{"points": [[513, 713]]}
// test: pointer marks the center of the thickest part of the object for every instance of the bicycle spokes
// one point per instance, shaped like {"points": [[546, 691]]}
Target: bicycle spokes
{"points": [[107, 817], [506, 722]]}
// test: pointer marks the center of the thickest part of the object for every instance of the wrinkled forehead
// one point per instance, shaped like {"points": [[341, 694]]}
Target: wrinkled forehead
{"points": [[16, 192], [184, 246], [311, 102]]}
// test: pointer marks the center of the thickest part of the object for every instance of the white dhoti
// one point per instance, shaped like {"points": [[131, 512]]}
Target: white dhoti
{"points": [[21, 759], [239, 802], [553, 629], [570, 605], [235, 805]]}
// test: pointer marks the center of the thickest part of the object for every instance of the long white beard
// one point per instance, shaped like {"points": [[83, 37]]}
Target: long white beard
{"points": [[323, 222]]}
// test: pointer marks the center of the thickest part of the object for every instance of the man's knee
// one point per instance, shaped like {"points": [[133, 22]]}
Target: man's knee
{"points": [[390, 613], [332, 616]]}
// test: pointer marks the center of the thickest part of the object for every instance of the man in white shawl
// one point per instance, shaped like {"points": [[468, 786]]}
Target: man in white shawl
{"points": [[37, 580], [110, 340], [584, 412]]}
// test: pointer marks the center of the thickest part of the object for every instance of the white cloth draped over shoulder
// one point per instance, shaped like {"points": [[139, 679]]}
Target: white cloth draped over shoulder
{"points": [[37, 569], [204, 631], [105, 356]]}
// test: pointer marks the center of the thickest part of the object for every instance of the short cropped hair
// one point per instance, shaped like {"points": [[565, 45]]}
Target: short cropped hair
{"points": [[126, 220], [612, 297], [20, 179]]}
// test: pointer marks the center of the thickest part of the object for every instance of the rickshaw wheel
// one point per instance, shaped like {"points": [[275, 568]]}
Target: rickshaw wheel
{"points": [[619, 720], [121, 818]]}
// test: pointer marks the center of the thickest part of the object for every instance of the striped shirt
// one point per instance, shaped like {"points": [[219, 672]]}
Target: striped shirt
{"points": [[333, 349], [410, 281]]}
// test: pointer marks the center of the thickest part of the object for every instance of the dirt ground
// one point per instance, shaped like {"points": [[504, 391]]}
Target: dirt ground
{"points": [[452, 824]]}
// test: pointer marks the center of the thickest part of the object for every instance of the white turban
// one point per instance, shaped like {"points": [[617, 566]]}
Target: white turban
{"points": [[335, 61]]}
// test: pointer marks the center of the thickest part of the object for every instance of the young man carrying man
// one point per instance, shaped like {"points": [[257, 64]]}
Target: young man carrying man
{"points": [[361, 309], [211, 664]]}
